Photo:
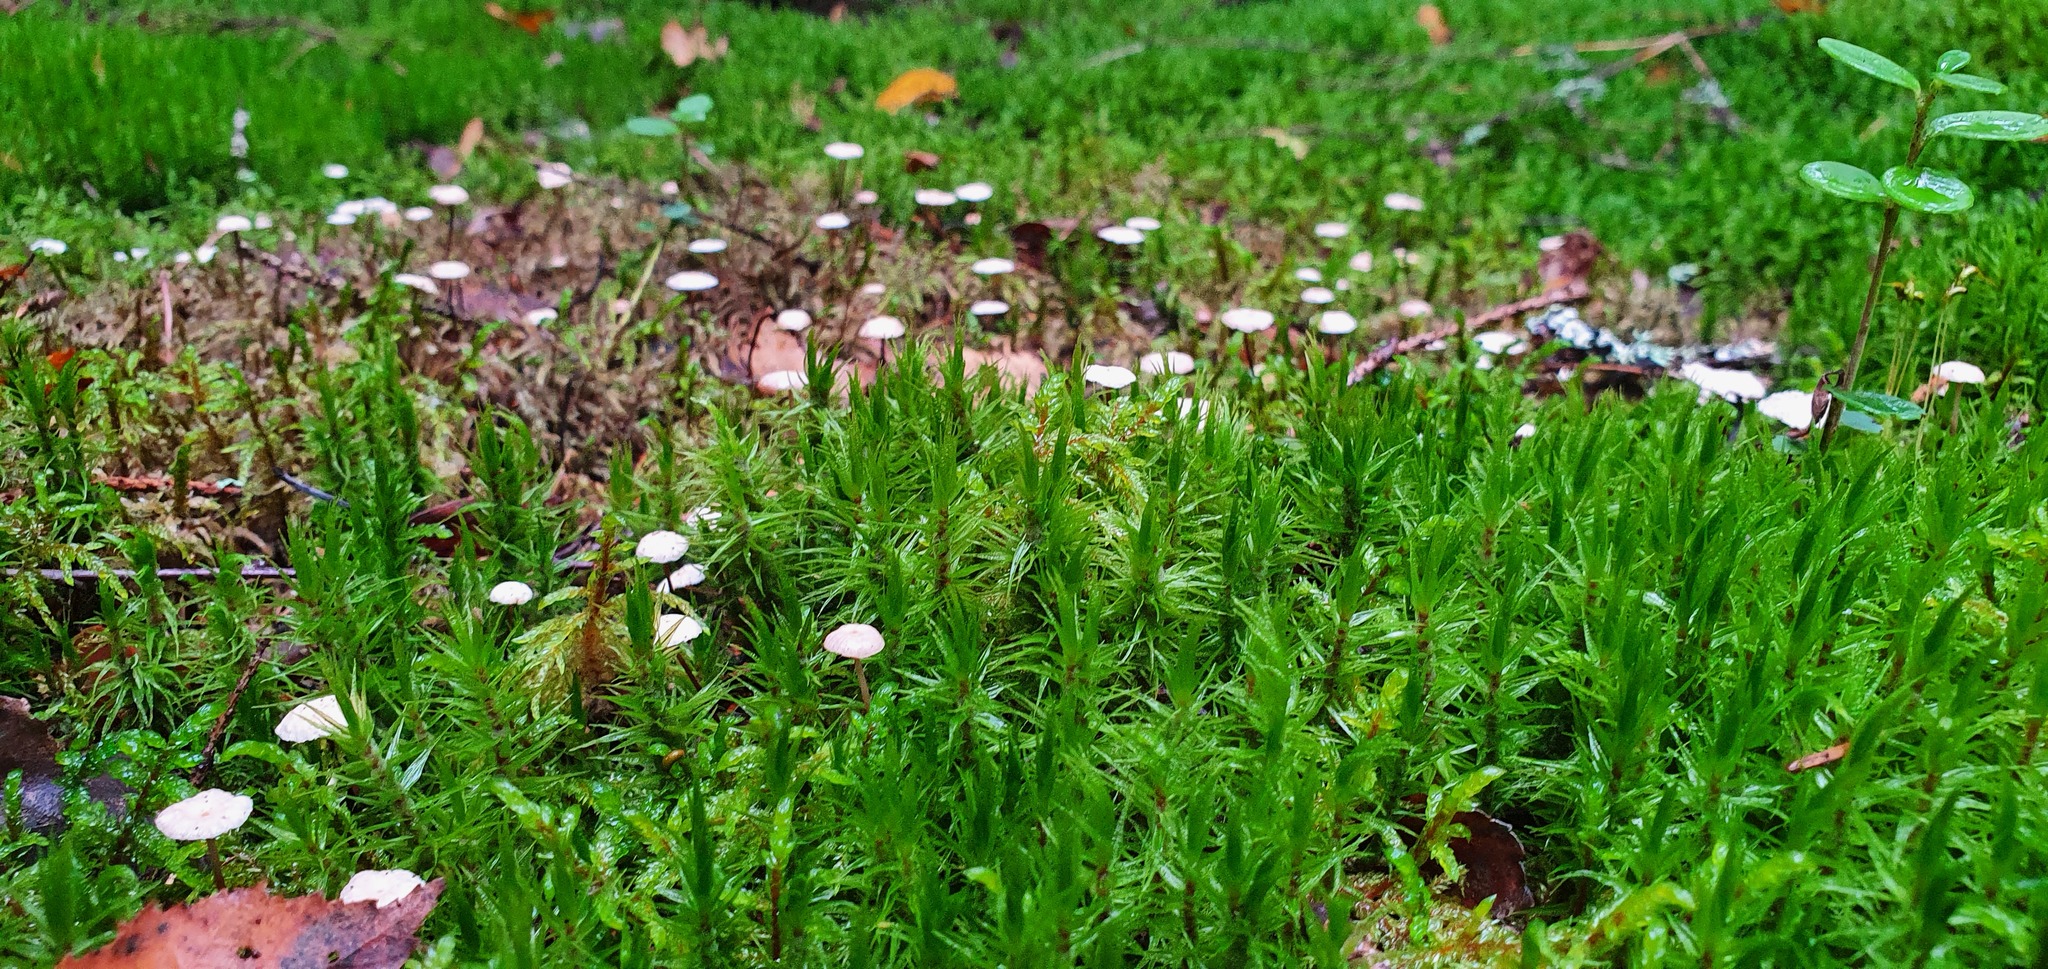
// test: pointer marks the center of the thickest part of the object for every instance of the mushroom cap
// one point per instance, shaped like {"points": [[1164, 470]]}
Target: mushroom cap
{"points": [[1402, 202], [334, 170], [1142, 223], [542, 316], [1245, 319], [1178, 362], [1335, 323], [1792, 408], [553, 175], [782, 381], [383, 886], [988, 307], [314, 719], [1318, 295], [340, 218], [1332, 230], [705, 247], [866, 196], [993, 266], [882, 328], [1115, 378], [1525, 432], [1415, 308], [49, 247], [418, 213], [1309, 274], [834, 221], [207, 814], [874, 289], [974, 192], [233, 223], [448, 194], [1496, 341], [661, 546], [674, 629], [205, 254], [1729, 385], [691, 281], [793, 320], [448, 269], [936, 197], [855, 640], [844, 150], [1960, 372], [691, 574], [512, 592], [1120, 235], [417, 281]]}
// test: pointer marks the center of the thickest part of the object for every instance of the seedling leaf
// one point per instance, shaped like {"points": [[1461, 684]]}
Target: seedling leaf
{"points": [[1952, 61], [1927, 190], [1971, 82], [1847, 181], [1870, 62], [1879, 404], [692, 110], [652, 127], [1991, 126]]}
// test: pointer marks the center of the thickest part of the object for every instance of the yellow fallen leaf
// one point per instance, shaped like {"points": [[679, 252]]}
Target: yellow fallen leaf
{"points": [[919, 85], [688, 46], [1432, 20]]}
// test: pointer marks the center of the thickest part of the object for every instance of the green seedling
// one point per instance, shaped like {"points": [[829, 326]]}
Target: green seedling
{"points": [[1910, 185]]}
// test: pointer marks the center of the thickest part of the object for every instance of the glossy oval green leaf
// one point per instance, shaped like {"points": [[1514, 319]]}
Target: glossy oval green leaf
{"points": [[1991, 126], [1847, 181], [1971, 82], [1927, 190], [1857, 420], [692, 109], [652, 127], [1952, 61], [1879, 404], [1870, 62]]}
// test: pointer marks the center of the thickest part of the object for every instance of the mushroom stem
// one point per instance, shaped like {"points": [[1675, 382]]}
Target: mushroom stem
{"points": [[860, 673], [220, 882]]}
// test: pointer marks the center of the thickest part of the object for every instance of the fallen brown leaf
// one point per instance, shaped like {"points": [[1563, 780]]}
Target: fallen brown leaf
{"points": [[530, 21], [919, 161], [472, 136], [1432, 20], [1801, 6], [1028, 240], [1492, 858], [1568, 264], [919, 85], [686, 46], [249, 928], [1819, 758]]}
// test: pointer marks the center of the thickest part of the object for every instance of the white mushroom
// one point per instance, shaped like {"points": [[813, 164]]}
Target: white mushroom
{"points": [[1734, 386], [48, 247], [793, 320], [542, 316], [1172, 361], [1336, 323], [705, 247], [1414, 308], [856, 640], [1317, 295], [448, 194], [781, 381], [690, 574], [1245, 319], [334, 170], [661, 546], [553, 175], [988, 307], [1792, 408], [1960, 372], [844, 151], [1120, 235], [1309, 274], [833, 221], [418, 213], [1403, 202], [417, 281], [993, 266], [1332, 230], [382, 886], [675, 629], [233, 223], [448, 269], [1115, 378], [314, 719], [204, 816], [975, 192], [691, 281], [866, 196], [883, 328], [1142, 223], [512, 592], [1496, 341], [934, 197], [1525, 432]]}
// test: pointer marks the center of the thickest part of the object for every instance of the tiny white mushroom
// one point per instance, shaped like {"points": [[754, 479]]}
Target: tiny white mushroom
{"points": [[993, 266], [1332, 230], [1245, 319], [1317, 295], [883, 328], [856, 640], [793, 320], [512, 592], [542, 316], [705, 247], [314, 719], [1120, 235], [1414, 308], [48, 247], [975, 192], [417, 281], [690, 574], [1361, 261], [1792, 408], [1525, 432], [204, 816], [334, 170], [448, 194], [1309, 274], [1960, 372], [383, 886], [1142, 223], [873, 289], [1496, 341], [1115, 378], [866, 196], [833, 221], [781, 381], [661, 546], [691, 281], [934, 197], [418, 213], [205, 254], [341, 218], [675, 629], [1336, 323], [448, 269], [233, 223], [988, 307], [844, 151], [1402, 202], [1733, 386], [1172, 361], [553, 175]]}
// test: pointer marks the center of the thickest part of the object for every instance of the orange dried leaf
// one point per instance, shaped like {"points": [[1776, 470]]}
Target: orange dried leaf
{"points": [[915, 161], [1802, 6], [252, 929], [1432, 20], [688, 46], [11, 273], [919, 85], [530, 21], [1819, 758]]}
